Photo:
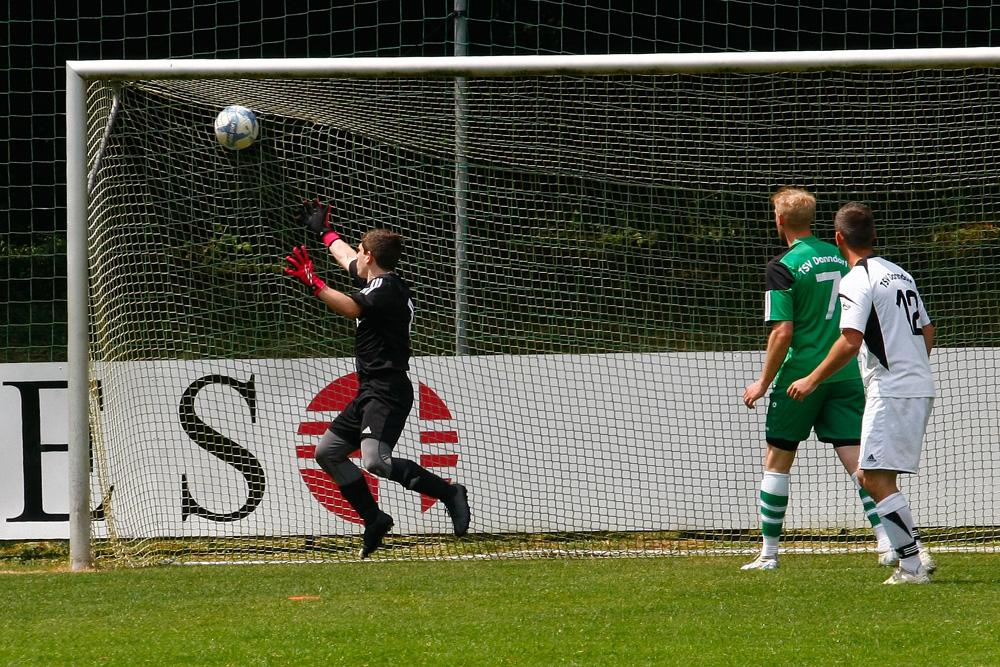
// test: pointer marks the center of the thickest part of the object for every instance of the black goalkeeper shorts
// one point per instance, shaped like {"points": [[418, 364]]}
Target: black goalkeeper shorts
{"points": [[379, 411]]}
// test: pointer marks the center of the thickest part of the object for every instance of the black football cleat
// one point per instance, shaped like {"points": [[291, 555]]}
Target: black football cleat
{"points": [[458, 509], [374, 532]]}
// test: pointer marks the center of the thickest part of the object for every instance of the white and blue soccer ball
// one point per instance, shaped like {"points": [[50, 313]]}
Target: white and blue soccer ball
{"points": [[236, 127]]}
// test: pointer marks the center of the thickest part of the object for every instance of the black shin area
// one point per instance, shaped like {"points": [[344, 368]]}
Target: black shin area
{"points": [[360, 498], [418, 479]]}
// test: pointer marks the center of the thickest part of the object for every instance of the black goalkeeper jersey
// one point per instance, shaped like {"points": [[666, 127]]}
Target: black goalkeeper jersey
{"points": [[382, 341]]}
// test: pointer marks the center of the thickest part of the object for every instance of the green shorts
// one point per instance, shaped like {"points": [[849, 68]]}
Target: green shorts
{"points": [[834, 410]]}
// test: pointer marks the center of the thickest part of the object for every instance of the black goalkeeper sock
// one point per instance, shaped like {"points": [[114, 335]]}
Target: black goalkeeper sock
{"points": [[360, 498], [421, 480]]}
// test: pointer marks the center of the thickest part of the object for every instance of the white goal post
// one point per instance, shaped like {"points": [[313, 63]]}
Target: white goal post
{"points": [[81, 132]]}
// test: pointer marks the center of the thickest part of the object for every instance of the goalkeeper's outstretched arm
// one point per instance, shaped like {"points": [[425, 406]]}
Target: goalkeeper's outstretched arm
{"points": [[343, 253], [315, 215], [300, 266]]}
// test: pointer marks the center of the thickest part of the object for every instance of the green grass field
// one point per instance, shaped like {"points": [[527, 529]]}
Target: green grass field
{"points": [[686, 610]]}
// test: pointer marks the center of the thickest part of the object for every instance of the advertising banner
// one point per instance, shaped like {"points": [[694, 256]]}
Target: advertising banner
{"points": [[544, 443]]}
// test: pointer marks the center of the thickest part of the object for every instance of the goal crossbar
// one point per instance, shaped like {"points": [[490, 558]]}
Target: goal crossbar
{"points": [[496, 66]]}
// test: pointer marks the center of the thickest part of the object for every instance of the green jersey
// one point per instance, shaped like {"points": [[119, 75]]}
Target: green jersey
{"points": [[802, 288]]}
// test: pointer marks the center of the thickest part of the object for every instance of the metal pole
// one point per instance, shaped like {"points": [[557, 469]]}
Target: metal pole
{"points": [[78, 372], [461, 185]]}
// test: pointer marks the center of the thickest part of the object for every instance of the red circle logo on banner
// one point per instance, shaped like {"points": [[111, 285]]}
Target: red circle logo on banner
{"points": [[334, 398]]}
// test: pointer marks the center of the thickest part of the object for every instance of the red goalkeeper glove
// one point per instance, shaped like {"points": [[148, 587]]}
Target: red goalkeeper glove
{"points": [[302, 268], [316, 216]]}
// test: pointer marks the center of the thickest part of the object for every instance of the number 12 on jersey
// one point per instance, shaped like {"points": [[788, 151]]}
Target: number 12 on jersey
{"points": [[906, 300]]}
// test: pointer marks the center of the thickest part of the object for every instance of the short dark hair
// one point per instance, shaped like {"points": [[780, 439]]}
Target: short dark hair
{"points": [[385, 246], [856, 224]]}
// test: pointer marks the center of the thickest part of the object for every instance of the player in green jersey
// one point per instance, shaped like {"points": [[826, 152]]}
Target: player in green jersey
{"points": [[802, 308]]}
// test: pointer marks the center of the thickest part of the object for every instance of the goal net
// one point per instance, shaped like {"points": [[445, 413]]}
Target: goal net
{"points": [[587, 255]]}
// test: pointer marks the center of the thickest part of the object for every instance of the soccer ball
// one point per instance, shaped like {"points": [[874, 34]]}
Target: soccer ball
{"points": [[236, 127]]}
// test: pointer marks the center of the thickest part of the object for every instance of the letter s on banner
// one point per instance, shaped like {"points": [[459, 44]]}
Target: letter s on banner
{"points": [[221, 447]]}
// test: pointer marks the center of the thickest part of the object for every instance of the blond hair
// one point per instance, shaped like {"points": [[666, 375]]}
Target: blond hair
{"points": [[796, 205]]}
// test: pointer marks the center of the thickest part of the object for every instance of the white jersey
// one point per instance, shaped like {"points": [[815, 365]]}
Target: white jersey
{"points": [[880, 299]]}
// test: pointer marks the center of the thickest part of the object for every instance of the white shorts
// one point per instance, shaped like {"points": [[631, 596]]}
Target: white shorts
{"points": [[892, 432]]}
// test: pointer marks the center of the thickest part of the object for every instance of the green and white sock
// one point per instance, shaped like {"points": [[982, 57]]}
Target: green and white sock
{"points": [[868, 503], [773, 502]]}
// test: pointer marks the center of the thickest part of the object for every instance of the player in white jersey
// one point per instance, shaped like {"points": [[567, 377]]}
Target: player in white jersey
{"points": [[883, 321]]}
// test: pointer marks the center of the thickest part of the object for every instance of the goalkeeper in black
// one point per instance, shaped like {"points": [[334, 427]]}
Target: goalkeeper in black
{"points": [[374, 420]]}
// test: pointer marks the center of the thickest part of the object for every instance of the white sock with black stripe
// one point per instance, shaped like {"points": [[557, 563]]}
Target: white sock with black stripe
{"points": [[898, 521]]}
